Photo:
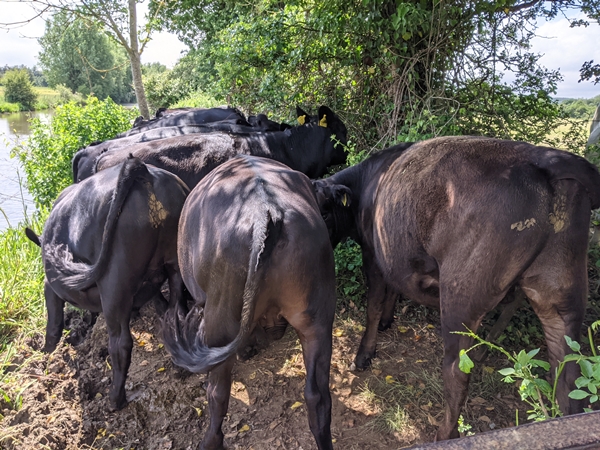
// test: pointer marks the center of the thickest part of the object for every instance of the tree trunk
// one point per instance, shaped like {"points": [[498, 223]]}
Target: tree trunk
{"points": [[136, 62]]}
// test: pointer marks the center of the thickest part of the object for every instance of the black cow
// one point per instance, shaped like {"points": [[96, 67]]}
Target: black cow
{"points": [[194, 116], [308, 149], [108, 245], [262, 123], [84, 160], [455, 223], [256, 224]]}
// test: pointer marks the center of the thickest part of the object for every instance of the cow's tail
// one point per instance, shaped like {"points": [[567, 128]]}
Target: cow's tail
{"points": [[184, 336], [80, 275], [32, 236], [75, 163], [563, 165]]}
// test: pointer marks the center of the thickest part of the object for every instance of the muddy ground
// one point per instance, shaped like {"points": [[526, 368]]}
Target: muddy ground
{"points": [[62, 399]]}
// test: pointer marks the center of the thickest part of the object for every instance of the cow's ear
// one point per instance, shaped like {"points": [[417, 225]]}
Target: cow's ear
{"points": [[342, 195], [302, 116], [327, 117]]}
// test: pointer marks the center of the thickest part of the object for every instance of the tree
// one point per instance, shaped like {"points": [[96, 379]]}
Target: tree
{"points": [[78, 55], [18, 88], [401, 69], [119, 21]]}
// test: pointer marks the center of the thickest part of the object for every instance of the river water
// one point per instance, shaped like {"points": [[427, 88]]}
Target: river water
{"points": [[15, 201]]}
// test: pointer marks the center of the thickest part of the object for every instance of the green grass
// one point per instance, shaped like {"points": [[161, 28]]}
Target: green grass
{"points": [[21, 285]]}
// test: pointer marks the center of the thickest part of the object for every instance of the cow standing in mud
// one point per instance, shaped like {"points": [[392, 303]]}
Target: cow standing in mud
{"points": [[107, 246], [455, 223], [253, 250]]}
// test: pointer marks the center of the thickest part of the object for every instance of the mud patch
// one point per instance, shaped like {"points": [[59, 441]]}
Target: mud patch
{"points": [[62, 399]]}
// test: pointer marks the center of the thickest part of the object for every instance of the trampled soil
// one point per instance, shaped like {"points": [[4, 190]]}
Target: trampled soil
{"points": [[395, 404]]}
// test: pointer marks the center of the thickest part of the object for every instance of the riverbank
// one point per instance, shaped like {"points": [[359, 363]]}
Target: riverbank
{"points": [[46, 98]]}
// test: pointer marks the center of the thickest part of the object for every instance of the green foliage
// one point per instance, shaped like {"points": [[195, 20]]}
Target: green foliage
{"points": [[47, 154], [534, 389], [464, 428], [21, 283], [79, 55], [348, 271], [580, 108], [18, 88], [405, 70], [197, 99]]}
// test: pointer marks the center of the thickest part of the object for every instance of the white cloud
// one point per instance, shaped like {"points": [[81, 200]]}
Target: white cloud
{"points": [[567, 49]]}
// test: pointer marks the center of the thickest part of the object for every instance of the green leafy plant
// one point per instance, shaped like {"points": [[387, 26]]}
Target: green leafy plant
{"points": [[348, 271], [533, 389], [47, 154]]}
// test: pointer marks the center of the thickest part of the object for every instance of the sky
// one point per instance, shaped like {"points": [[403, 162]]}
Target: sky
{"points": [[563, 48]]}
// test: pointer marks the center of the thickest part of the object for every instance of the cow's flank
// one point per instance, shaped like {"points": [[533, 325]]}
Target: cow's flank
{"points": [[456, 223]]}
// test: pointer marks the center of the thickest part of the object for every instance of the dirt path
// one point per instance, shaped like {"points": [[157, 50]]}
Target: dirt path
{"points": [[393, 405]]}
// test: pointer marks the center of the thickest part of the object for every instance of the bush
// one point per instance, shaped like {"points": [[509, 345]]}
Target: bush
{"points": [[47, 154], [18, 88]]}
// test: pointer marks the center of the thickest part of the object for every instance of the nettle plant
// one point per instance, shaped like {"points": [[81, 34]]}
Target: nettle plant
{"points": [[529, 374]]}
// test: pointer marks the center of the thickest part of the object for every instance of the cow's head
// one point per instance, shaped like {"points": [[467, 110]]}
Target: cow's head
{"points": [[335, 202], [328, 119]]}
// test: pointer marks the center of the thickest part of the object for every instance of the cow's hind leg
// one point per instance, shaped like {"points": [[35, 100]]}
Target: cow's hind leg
{"points": [[460, 309], [56, 321], [561, 310], [376, 301], [316, 340], [218, 393]]}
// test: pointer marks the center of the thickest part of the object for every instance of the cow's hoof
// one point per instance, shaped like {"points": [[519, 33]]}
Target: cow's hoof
{"points": [[385, 325], [117, 405], [247, 353], [49, 347], [362, 362]]}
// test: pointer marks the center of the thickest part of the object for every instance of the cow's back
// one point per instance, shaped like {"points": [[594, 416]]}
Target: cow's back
{"points": [[455, 198], [218, 220]]}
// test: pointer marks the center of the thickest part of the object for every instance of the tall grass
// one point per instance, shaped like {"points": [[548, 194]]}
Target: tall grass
{"points": [[21, 284]]}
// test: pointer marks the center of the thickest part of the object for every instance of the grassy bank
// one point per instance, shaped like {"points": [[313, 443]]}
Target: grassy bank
{"points": [[46, 98], [21, 285]]}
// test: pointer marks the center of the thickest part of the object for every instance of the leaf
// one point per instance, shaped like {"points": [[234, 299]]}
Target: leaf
{"points": [[533, 352], [465, 363], [507, 371], [594, 398], [573, 345], [162, 369], [296, 405], [593, 388], [582, 382], [539, 363], [338, 332], [245, 428], [578, 394], [402, 329], [586, 368], [390, 379]]}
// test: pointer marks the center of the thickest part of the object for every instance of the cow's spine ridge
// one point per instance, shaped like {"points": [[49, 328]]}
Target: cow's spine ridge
{"points": [[79, 275], [187, 347]]}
